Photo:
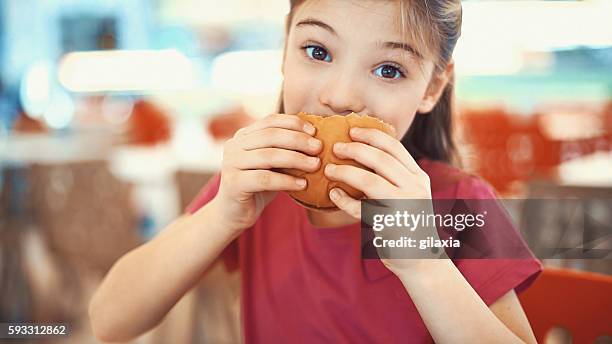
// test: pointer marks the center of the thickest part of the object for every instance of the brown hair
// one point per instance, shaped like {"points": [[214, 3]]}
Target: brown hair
{"points": [[435, 27]]}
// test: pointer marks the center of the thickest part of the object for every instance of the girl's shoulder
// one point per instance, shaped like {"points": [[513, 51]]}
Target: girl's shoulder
{"points": [[449, 181]]}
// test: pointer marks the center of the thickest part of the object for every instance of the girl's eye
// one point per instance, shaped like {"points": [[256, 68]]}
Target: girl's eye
{"points": [[318, 53], [389, 72]]}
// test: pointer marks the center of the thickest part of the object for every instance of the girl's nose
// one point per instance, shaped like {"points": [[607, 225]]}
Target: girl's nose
{"points": [[341, 94]]}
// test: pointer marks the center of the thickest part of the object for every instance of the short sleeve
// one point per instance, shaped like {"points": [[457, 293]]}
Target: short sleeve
{"points": [[205, 195], [493, 278]]}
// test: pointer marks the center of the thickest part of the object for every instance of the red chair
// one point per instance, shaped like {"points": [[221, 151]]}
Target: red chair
{"points": [[580, 302]]}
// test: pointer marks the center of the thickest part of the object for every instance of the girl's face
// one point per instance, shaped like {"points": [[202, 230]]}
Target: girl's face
{"points": [[348, 56]]}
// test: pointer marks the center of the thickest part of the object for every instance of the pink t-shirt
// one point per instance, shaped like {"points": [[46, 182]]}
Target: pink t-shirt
{"points": [[302, 284]]}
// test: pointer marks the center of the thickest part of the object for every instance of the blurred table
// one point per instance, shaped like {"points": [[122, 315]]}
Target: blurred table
{"points": [[593, 170]]}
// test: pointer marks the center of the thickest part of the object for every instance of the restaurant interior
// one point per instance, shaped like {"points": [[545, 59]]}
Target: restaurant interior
{"points": [[113, 116]]}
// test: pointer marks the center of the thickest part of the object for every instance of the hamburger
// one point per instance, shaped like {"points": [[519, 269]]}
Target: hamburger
{"points": [[331, 129]]}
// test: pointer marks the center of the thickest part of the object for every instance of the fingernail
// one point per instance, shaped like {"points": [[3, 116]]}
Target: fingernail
{"points": [[300, 182], [313, 161], [330, 168], [309, 129], [355, 131], [339, 145], [334, 194], [314, 143]]}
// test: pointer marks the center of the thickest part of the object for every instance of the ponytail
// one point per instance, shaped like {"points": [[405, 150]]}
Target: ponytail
{"points": [[431, 134]]}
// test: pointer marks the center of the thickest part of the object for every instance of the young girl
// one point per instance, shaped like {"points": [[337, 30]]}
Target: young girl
{"points": [[303, 278]]}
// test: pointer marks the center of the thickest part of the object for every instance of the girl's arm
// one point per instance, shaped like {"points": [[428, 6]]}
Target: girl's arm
{"points": [[454, 313], [146, 283], [451, 309]]}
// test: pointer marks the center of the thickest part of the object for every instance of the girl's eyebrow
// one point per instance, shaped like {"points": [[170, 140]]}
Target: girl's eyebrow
{"points": [[403, 46], [316, 22]]}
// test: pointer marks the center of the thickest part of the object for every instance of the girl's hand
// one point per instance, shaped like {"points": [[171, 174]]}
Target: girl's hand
{"points": [[396, 176], [247, 182]]}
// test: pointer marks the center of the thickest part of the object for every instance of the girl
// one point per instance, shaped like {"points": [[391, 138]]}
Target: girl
{"points": [[303, 279]]}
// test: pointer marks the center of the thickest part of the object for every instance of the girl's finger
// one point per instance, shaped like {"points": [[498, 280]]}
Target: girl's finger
{"points": [[377, 138], [379, 161], [252, 181], [345, 202], [267, 158], [278, 121], [374, 186], [281, 138]]}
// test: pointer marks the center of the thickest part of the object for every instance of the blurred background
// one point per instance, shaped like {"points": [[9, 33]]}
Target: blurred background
{"points": [[113, 113]]}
